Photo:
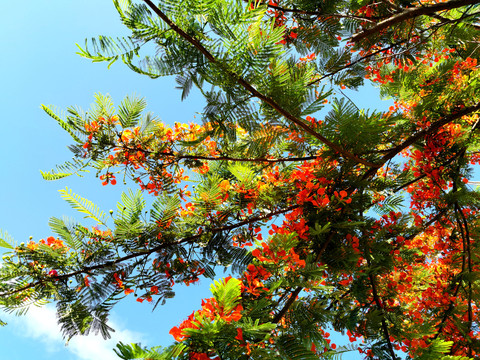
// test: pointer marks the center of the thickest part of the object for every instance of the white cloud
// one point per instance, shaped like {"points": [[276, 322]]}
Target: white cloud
{"points": [[40, 324]]}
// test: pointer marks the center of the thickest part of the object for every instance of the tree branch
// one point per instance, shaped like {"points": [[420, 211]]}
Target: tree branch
{"points": [[260, 160], [225, 158], [420, 177], [358, 60], [434, 127], [451, 305], [417, 136], [410, 14], [148, 252], [384, 324], [287, 305], [319, 14], [255, 92], [467, 249]]}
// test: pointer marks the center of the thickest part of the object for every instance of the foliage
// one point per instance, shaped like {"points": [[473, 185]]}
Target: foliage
{"points": [[372, 224]]}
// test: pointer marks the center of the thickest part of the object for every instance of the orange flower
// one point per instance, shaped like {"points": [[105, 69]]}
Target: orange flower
{"points": [[32, 245], [224, 185], [127, 135], [239, 334], [108, 178], [92, 127], [176, 333]]}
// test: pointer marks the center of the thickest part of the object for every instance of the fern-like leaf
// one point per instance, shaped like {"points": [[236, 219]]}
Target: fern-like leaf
{"points": [[51, 112], [83, 205], [6, 241], [291, 348], [65, 228], [130, 110], [74, 167]]}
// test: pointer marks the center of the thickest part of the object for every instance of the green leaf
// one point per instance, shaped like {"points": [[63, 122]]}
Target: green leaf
{"points": [[6, 241], [136, 351], [130, 110], [318, 230], [83, 205], [67, 169], [242, 172], [65, 229], [227, 293], [51, 112], [291, 348], [436, 348]]}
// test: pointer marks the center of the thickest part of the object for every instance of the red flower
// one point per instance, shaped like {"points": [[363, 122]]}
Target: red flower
{"points": [[239, 334], [53, 273], [176, 333]]}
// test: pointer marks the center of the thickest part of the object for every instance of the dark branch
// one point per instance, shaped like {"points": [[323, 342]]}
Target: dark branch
{"points": [[434, 127], [386, 334], [259, 160], [255, 92], [189, 239], [465, 232], [420, 134], [420, 177], [320, 14], [287, 305], [410, 14], [225, 158]]}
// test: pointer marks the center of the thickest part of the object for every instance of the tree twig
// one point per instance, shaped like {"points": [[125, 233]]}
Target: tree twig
{"points": [[224, 158], [320, 14], [107, 264]]}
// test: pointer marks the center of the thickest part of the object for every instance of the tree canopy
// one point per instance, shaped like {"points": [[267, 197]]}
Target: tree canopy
{"points": [[329, 216]]}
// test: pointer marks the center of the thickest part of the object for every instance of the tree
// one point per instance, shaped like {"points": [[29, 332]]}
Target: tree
{"points": [[371, 218]]}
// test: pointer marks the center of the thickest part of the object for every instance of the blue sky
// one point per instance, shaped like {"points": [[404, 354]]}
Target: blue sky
{"points": [[39, 66]]}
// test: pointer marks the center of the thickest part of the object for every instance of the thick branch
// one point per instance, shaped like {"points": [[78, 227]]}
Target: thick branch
{"points": [[420, 177], [410, 14], [384, 324], [349, 65], [422, 133], [446, 21], [451, 305], [255, 92], [446, 314], [385, 49], [256, 160], [434, 127], [287, 305], [465, 232], [460, 154]]}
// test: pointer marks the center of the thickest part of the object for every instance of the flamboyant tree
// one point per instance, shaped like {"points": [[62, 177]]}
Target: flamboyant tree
{"points": [[330, 216]]}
